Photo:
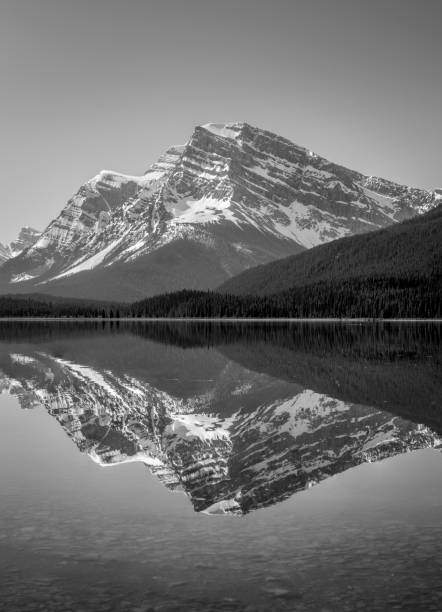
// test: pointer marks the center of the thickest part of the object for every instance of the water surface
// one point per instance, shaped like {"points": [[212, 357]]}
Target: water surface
{"points": [[185, 466]]}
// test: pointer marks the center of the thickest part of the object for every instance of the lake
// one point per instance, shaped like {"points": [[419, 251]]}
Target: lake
{"points": [[226, 466]]}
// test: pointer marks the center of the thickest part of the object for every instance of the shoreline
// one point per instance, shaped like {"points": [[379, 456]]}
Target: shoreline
{"points": [[220, 319]]}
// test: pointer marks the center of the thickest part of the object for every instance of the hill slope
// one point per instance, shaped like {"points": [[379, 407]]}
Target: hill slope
{"points": [[412, 249]]}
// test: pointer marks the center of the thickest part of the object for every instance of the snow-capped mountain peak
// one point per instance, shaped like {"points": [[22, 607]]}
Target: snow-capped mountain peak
{"points": [[232, 197]]}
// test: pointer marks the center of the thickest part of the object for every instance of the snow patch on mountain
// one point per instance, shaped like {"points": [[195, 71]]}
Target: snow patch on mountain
{"points": [[224, 130], [115, 180], [94, 261], [21, 278], [205, 210], [308, 226]]}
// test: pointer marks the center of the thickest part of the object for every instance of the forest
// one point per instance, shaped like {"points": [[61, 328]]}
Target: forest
{"points": [[354, 298], [36, 305], [376, 297]]}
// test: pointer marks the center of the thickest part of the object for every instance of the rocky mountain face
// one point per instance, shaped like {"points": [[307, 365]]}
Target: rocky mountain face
{"points": [[26, 238], [247, 441], [233, 197]]}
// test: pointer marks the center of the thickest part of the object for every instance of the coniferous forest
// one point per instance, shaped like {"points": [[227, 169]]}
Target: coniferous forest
{"points": [[368, 298], [353, 298]]}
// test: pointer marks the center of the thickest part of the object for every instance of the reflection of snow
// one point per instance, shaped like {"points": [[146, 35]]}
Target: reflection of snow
{"points": [[242, 389], [307, 412], [114, 457], [203, 426], [89, 374], [390, 434], [225, 506], [22, 359]]}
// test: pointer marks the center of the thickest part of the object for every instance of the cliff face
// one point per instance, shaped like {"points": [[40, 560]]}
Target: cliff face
{"points": [[233, 197]]}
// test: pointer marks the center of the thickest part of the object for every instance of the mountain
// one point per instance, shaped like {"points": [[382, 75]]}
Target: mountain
{"points": [[26, 238], [233, 197], [408, 251], [235, 441]]}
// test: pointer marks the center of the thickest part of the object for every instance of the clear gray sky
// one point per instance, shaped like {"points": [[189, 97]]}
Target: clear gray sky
{"points": [[93, 84]]}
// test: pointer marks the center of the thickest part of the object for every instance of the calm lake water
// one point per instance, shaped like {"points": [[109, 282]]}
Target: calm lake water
{"points": [[190, 466]]}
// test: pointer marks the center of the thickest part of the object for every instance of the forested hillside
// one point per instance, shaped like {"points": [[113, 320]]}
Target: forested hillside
{"points": [[406, 253], [370, 298]]}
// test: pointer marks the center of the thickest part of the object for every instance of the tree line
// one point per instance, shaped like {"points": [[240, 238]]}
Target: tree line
{"points": [[45, 306], [353, 298], [370, 297]]}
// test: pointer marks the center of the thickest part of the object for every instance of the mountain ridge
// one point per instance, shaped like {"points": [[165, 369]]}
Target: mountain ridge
{"points": [[27, 236], [232, 197]]}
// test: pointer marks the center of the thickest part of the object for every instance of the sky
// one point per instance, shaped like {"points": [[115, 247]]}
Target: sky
{"points": [[88, 85]]}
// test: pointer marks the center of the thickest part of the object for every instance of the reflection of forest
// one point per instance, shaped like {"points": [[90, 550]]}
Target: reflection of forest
{"points": [[363, 340]]}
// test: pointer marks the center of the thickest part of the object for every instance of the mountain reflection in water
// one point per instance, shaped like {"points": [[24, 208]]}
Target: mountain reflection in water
{"points": [[239, 416]]}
